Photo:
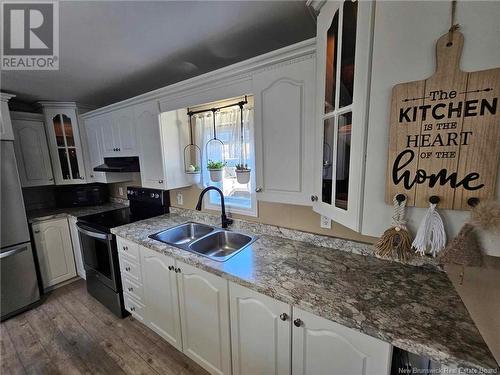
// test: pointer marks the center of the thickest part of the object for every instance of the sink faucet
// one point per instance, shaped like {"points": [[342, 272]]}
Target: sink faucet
{"points": [[225, 220]]}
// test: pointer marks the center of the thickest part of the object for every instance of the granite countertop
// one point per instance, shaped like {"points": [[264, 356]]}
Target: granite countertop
{"points": [[54, 213], [414, 308]]}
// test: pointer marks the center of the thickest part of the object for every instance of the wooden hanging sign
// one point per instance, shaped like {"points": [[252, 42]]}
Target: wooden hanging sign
{"points": [[445, 133]]}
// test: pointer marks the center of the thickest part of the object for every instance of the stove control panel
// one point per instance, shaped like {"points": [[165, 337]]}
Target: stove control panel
{"points": [[154, 196]]}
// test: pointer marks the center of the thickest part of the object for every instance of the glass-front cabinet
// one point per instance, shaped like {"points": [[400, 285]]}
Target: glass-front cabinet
{"points": [[343, 73], [61, 123]]}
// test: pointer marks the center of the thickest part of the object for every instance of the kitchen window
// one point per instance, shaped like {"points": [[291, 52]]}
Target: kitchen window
{"points": [[239, 198]]}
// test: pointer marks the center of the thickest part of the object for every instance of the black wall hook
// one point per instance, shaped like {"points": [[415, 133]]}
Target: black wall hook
{"points": [[473, 202], [400, 198], [434, 199]]}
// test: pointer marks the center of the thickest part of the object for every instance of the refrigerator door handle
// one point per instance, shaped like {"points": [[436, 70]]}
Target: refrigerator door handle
{"points": [[13, 251]]}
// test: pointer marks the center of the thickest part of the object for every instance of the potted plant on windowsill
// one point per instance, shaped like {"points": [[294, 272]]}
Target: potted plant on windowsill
{"points": [[216, 169], [242, 173], [193, 173]]}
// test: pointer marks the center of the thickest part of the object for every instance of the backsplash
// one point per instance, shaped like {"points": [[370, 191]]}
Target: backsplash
{"points": [[39, 197]]}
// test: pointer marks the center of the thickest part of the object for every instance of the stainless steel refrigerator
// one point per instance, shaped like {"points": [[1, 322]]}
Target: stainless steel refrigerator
{"points": [[19, 283]]}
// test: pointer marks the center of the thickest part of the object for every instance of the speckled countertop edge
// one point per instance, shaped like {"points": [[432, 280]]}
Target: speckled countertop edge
{"points": [[423, 314], [44, 214]]}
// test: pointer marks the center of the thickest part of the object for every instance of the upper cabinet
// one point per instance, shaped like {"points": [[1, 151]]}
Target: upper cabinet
{"points": [[284, 131], [343, 71], [161, 139], [118, 133], [65, 146], [32, 150], [6, 133]]}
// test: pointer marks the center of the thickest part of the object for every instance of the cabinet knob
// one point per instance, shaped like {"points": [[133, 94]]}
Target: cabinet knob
{"points": [[119, 149], [132, 308], [284, 316], [51, 179], [92, 175], [127, 268], [37, 231], [297, 322], [258, 190], [314, 198], [177, 270], [171, 268], [130, 289], [160, 181]]}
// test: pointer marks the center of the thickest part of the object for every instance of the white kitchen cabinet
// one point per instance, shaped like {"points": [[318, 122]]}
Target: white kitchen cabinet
{"points": [[343, 58], [260, 333], [204, 309], [160, 295], [93, 149], [284, 132], [124, 132], [321, 347], [6, 132], [32, 150], [63, 135], [54, 250], [162, 139], [77, 251]]}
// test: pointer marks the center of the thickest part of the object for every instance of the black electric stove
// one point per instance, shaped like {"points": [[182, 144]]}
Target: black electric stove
{"points": [[98, 245]]}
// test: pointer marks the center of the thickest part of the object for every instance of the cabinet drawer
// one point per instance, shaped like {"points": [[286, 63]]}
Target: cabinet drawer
{"points": [[134, 307], [133, 288], [128, 249], [130, 269]]}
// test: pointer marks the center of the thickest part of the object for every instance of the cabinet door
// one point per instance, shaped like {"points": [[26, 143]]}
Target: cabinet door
{"points": [[150, 145], [124, 130], [204, 309], [108, 136], [55, 252], [260, 333], [93, 135], [6, 132], [284, 132], [32, 153], [321, 347], [343, 74], [77, 251], [65, 145], [160, 294]]}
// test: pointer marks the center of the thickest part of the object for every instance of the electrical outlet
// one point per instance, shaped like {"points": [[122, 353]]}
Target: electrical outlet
{"points": [[120, 191], [325, 222], [180, 199]]}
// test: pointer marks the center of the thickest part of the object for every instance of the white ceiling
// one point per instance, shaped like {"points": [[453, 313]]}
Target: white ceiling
{"points": [[112, 50]]}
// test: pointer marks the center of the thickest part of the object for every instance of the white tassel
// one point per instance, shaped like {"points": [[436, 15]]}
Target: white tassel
{"points": [[430, 232]]}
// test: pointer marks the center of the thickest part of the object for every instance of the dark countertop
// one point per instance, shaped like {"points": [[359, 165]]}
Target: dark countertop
{"points": [[413, 308], [54, 213]]}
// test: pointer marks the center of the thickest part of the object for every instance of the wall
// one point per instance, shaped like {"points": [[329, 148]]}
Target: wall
{"points": [[284, 215], [404, 50], [114, 189]]}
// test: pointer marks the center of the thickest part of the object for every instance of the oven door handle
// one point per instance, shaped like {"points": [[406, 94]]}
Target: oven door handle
{"points": [[99, 236]]}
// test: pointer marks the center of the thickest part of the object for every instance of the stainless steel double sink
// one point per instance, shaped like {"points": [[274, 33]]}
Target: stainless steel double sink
{"points": [[206, 240]]}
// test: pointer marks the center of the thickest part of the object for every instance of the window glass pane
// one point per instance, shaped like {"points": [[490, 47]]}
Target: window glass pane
{"points": [[68, 131], [342, 160], [349, 22], [328, 133], [73, 160], [58, 131], [331, 64], [63, 160]]}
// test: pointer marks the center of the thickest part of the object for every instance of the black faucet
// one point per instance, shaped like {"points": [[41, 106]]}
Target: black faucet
{"points": [[225, 220]]}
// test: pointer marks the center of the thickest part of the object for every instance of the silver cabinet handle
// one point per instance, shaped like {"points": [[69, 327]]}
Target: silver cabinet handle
{"points": [[37, 231], [130, 289], [258, 190], [314, 198], [132, 308], [127, 269], [160, 181]]}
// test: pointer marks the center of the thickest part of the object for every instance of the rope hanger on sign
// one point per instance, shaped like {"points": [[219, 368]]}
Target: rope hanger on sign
{"points": [[453, 26]]}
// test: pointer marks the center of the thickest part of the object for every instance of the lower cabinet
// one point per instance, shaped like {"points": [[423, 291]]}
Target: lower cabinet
{"points": [[227, 328], [160, 296], [54, 250], [77, 251], [321, 346], [204, 308], [260, 333]]}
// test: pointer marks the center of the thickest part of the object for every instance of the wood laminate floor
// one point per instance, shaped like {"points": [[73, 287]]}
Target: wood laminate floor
{"points": [[72, 333]]}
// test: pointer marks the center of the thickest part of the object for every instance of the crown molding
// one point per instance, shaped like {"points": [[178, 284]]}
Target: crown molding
{"points": [[18, 115], [5, 97], [237, 72]]}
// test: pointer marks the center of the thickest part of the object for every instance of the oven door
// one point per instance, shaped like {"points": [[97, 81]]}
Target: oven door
{"points": [[99, 252]]}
